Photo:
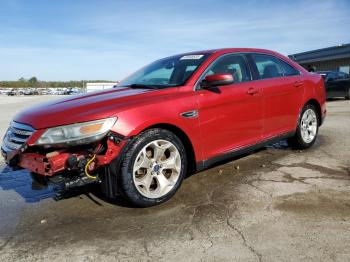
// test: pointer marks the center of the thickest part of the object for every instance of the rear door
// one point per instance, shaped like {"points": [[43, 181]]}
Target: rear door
{"points": [[342, 84], [332, 88], [230, 116], [282, 91]]}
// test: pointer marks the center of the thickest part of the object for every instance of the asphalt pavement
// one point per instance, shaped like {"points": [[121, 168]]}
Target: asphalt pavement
{"points": [[277, 204]]}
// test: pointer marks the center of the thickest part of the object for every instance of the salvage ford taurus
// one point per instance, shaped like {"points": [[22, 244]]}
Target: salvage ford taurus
{"points": [[177, 116]]}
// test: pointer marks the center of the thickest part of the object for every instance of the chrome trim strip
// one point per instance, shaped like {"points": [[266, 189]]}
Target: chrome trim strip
{"points": [[197, 83], [11, 145], [20, 132], [15, 139], [190, 114], [16, 136], [5, 149], [22, 126]]}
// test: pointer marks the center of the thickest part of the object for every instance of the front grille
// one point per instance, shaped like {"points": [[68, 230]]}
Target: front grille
{"points": [[16, 136]]}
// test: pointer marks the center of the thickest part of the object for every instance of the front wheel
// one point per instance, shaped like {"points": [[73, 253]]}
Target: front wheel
{"points": [[153, 168], [307, 128]]}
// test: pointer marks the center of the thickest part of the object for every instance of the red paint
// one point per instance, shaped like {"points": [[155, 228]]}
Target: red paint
{"points": [[218, 77], [46, 166], [239, 115]]}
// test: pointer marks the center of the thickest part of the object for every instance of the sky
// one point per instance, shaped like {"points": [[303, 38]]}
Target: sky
{"points": [[107, 40]]}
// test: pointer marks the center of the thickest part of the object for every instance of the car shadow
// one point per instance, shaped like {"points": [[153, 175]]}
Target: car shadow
{"points": [[281, 145], [20, 181], [31, 191], [335, 99]]}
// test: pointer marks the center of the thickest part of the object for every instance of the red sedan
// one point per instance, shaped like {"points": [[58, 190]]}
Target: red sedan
{"points": [[176, 116]]}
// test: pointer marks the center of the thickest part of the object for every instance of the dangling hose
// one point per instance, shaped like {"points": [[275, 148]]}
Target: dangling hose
{"points": [[87, 166]]}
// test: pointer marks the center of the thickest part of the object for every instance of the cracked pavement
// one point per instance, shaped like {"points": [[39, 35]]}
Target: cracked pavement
{"points": [[277, 204]]}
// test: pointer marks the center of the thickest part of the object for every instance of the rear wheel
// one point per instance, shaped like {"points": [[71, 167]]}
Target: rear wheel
{"points": [[307, 128], [347, 97], [153, 168]]}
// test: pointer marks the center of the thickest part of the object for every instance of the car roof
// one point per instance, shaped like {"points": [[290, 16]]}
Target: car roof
{"points": [[233, 50], [222, 51]]}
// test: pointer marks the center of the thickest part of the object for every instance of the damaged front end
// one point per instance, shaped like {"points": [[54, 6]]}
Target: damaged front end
{"points": [[73, 155]]}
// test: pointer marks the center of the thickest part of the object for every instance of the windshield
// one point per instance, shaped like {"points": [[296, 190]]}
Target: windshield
{"points": [[167, 72]]}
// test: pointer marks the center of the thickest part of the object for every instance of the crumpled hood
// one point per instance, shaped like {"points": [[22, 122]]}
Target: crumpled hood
{"points": [[81, 108]]}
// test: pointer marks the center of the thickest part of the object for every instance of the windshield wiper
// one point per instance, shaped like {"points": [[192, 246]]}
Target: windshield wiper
{"points": [[142, 86]]}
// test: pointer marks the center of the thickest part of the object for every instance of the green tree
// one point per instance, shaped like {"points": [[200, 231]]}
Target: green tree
{"points": [[33, 81]]}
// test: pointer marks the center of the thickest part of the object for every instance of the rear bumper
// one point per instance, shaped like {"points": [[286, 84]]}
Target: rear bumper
{"points": [[323, 113]]}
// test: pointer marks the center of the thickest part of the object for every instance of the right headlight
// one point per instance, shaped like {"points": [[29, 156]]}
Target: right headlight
{"points": [[77, 134]]}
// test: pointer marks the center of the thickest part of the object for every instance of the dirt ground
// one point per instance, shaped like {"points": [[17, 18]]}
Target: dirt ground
{"points": [[275, 205]]}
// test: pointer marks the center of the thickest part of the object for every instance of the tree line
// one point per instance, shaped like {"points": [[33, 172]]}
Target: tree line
{"points": [[34, 82]]}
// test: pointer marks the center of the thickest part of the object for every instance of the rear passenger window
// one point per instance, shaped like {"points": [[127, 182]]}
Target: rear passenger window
{"points": [[331, 77], [343, 75], [268, 66], [288, 69]]}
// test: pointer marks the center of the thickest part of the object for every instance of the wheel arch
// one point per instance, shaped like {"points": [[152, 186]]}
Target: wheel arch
{"points": [[191, 156], [317, 105]]}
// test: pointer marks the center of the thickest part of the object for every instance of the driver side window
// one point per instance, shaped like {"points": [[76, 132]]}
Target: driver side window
{"points": [[231, 64]]}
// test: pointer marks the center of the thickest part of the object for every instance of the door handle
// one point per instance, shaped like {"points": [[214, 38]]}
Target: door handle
{"points": [[252, 91], [298, 83]]}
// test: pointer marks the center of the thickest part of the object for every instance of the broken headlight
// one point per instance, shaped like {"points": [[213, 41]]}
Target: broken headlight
{"points": [[76, 134]]}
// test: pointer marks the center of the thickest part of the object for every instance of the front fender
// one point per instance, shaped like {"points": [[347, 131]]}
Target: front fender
{"points": [[132, 123]]}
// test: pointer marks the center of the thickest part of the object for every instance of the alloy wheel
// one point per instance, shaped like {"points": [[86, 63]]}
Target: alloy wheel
{"points": [[157, 168], [308, 126]]}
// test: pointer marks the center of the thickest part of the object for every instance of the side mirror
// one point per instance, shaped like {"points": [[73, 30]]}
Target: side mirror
{"points": [[216, 80]]}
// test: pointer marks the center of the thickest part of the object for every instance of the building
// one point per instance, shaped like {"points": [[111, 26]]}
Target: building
{"points": [[335, 58], [91, 87]]}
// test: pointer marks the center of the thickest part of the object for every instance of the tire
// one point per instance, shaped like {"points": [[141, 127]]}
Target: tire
{"points": [[347, 97], [152, 168], [306, 132]]}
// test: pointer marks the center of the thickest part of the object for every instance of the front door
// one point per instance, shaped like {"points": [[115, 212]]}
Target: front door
{"points": [[230, 116]]}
